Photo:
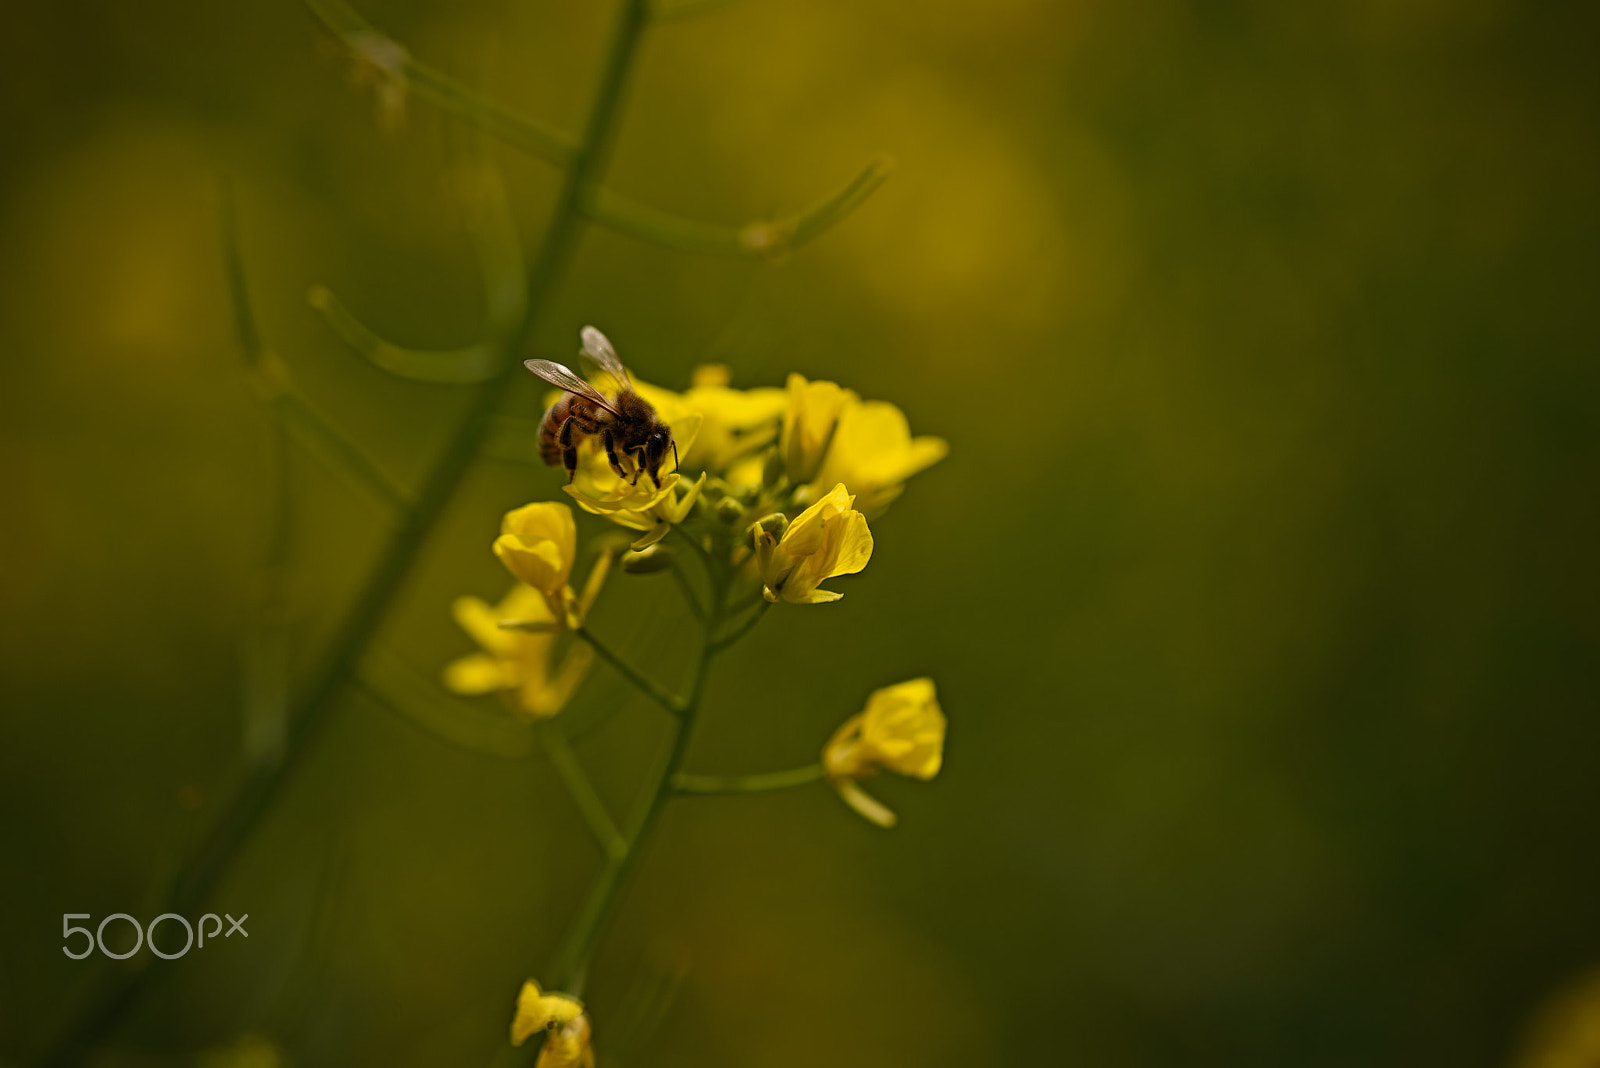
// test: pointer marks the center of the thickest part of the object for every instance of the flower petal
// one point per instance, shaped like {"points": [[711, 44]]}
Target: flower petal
{"points": [[539, 564], [478, 673], [855, 545]]}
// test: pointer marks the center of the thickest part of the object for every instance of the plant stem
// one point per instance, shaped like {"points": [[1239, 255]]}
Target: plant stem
{"points": [[690, 598], [118, 991], [582, 791], [684, 783], [660, 696], [571, 967], [743, 628], [572, 964]]}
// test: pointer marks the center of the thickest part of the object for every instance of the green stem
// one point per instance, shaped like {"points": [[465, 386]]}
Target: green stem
{"points": [[534, 138], [583, 793], [690, 598], [699, 550], [746, 603], [743, 628], [317, 436], [119, 990], [759, 782], [759, 239], [571, 967], [656, 693]]}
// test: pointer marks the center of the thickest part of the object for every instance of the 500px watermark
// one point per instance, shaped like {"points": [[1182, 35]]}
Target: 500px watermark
{"points": [[145, 934]]}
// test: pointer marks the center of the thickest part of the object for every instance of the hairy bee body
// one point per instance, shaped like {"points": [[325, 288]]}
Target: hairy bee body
{"points": [[631, 426], [626, 424], [570, 406]]}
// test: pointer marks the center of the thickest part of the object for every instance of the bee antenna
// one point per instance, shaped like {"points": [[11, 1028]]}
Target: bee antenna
{"points": [[674, 454]]}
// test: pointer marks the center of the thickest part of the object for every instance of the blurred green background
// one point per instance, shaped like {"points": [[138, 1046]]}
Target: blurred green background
{"points": [[1258, 584]]}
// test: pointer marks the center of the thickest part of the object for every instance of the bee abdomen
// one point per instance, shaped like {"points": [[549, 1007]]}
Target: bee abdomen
{"points": [[550, 426], [549, 447]]}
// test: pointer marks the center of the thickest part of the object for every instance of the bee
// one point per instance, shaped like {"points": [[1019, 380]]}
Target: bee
{"points": [[627, 424]]}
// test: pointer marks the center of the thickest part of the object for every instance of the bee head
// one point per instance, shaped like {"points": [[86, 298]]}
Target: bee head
{"points": [[655, 451]]}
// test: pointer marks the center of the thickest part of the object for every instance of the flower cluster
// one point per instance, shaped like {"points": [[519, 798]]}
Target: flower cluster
{"points": [[799, 471], [770, 491]]}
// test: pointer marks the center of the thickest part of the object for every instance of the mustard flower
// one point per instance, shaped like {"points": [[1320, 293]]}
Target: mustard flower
{"points": [[829, 538], [901, 729], [808, 425], [874, 453], [537, 544], [637, 506], [637, 502], [566, 1043], [738, 424], [517, 662]]}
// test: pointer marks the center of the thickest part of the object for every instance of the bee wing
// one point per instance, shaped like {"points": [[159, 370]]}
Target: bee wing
{"points": [[563, 378], [598, 348]]}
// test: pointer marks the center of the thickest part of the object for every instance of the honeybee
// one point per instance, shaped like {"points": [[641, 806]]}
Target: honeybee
{"points": [[627, 424]]}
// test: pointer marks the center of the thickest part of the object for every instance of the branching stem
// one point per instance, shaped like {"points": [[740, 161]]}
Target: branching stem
{"points": [[656, 693], [583, 793], [742, 628], [684, 783], [119, 989]]}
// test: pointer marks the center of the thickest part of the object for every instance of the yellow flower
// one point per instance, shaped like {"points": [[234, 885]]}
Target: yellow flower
{"points": [[638, 503], [829, 538], [537, 543], [738, 424], [902, 729], [808, 425], [874, 453], [517, 662], [566, 1044], [636, 506]]}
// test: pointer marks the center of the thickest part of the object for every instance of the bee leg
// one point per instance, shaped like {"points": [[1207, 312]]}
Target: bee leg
{"points": [[611, 452], [569, 447], [638, 466]]}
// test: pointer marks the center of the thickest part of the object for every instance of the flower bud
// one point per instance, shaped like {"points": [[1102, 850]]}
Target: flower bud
{"points": [[774, 524], [729, 510]]}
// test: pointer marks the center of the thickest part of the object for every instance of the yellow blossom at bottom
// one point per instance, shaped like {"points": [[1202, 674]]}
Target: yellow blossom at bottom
{"points": [[901, 729], [566, 1043]]}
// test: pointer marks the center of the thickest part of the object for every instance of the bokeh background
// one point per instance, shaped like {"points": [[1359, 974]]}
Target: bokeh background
{"points": [[1258, 583]]}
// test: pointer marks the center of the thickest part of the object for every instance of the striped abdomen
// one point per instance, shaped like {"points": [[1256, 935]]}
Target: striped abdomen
{"points": [[571, 406]]}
